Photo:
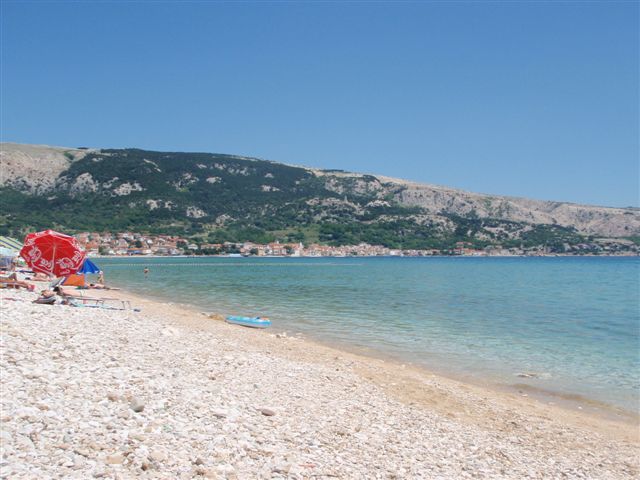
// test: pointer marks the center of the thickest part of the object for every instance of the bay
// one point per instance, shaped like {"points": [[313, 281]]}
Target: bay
{"points": [[569, 325]]}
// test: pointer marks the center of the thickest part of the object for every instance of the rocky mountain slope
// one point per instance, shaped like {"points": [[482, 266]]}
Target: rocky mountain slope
{"points": [[200, 192]]}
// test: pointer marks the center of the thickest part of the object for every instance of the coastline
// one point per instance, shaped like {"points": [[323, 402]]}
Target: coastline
{"points": [[405, 380], [509, 381], [549, 255], [417, 406]]}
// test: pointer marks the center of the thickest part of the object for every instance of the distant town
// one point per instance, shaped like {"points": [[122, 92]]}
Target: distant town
{"points": [[130, 244]]}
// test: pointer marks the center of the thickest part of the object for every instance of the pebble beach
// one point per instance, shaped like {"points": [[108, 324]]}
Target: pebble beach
{"points": [[170, 393]]}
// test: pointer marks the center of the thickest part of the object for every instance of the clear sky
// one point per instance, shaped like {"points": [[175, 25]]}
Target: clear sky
{"points": [[534, 99]]}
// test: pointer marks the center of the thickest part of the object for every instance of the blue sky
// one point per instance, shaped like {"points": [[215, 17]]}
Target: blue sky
{"points": [[532, 99]]}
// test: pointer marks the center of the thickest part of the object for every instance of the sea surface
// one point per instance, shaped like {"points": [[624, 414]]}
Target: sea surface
{"points": [[569, 325]]}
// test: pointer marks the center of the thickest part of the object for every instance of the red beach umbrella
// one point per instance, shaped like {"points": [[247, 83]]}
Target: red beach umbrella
{"points": [[52, 253]]}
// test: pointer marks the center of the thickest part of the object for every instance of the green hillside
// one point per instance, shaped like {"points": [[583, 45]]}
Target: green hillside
{"points": [[227, 198]]}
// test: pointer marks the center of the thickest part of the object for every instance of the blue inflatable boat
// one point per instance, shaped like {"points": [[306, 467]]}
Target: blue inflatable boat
{"points": [[253, 322]]}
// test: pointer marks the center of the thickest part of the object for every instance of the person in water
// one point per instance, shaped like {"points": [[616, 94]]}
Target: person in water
{"points": [[146, 271]]}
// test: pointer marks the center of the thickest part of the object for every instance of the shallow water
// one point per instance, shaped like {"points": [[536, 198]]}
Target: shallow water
{"points": [[574, 323]]}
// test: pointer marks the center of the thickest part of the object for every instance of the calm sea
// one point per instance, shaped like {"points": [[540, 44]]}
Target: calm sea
{"points": [[573, 323]]}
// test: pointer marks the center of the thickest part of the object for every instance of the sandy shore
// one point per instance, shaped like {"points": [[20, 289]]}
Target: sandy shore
{"points": [[169, 393]]}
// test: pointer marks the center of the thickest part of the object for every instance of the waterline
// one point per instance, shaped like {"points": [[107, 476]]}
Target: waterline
{"points": [[572, 323]]}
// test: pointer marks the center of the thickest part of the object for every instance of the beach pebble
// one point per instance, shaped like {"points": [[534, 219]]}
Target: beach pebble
{"points": [[209, 473], [136, 405], [158, 454], [93, 393], [114, 459]]}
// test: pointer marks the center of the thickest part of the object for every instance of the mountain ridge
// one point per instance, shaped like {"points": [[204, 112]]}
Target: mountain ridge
{"points": [[218, 191], [321, 171]]}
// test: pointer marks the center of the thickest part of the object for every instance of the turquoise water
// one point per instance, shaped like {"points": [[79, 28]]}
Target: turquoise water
{"points": [[574, 322]]}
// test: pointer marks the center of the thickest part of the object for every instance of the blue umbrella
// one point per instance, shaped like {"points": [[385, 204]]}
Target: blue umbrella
{"points": [[88, 267]]}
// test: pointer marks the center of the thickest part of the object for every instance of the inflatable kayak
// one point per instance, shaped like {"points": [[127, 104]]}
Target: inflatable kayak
{"points": [[254, 322]]}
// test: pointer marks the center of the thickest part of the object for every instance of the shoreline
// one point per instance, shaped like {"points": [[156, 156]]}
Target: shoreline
{"points": [[576, 408], [550, 255], [567, 400], [167, 392]]}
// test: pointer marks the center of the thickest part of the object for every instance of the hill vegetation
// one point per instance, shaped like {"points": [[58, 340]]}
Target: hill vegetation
{"points": [[217, 198]]}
